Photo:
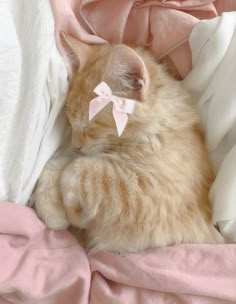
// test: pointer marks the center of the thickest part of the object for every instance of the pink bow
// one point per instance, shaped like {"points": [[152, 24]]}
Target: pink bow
{"points": [[121, 106]]}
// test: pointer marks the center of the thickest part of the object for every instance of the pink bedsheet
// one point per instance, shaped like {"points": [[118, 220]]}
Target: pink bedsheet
{"points": [[162, 25], [38, 265]]}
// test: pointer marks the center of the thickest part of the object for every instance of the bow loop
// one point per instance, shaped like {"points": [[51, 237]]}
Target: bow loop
{"points": [[103, 89], [121, 105]]}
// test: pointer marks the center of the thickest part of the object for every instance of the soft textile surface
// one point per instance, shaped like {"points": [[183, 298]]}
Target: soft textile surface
{"points": [[33, 83], [39, 265], [164, 26], [213, 80]]}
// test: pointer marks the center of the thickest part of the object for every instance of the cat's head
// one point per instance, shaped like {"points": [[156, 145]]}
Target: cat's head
{"points": [[129, 72]]}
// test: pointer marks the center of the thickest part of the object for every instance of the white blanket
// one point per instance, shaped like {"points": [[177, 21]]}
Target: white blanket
{"points": [[213, 81], [33, 84]]}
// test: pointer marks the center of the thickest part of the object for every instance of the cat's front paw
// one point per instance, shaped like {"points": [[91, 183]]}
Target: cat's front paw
{"points": [[50, 210], [48, 203], [72, 190], [57, 221]]}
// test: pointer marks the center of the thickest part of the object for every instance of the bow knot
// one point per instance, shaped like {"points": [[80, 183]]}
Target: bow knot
{"points": [[121, 105]]}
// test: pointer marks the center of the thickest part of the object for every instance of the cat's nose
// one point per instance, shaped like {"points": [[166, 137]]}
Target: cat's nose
{"points": [[76, 145], [76, 142], [78, 148]]}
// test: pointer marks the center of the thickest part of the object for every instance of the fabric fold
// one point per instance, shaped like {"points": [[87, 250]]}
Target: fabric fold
{"points": [[39, 265], [212, 81], [163, 26], [33, 85]]}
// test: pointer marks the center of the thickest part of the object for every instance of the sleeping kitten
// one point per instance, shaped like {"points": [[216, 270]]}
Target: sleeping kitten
{"points": [[145, 188]]}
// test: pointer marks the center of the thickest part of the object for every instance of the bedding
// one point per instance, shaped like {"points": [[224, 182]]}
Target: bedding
{"points": [[212, 81], [33, 84], [163, 26], [39, 265]]}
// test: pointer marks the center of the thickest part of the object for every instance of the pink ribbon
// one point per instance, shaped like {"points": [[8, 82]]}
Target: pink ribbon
{"points": [[121, 105]]}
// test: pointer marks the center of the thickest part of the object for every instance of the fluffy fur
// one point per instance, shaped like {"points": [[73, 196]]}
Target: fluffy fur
{"points": [[148, 187]]}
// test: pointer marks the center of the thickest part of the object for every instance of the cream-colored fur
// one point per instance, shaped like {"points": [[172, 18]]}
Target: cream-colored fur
{"points": [[148, 187]]}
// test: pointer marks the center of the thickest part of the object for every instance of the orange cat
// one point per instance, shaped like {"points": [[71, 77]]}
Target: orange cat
{"points": [[145, 188]]}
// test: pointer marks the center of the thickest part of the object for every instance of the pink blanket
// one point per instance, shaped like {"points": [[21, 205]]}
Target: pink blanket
{"points": [[162, 25], [38, 265]]}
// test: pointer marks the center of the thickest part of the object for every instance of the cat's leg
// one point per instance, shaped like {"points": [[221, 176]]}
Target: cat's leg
{"points": [[100, 196], [78, 190], [90, 186], [47, 195]]}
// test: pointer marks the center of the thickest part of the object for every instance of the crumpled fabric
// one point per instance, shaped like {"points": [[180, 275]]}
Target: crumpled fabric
{"points": [[163, 26], [42, 266], [33, 85], [212, 81]]}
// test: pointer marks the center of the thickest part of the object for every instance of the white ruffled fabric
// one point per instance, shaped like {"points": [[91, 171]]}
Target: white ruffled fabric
{"points": [[33, 84], [213, 81]]}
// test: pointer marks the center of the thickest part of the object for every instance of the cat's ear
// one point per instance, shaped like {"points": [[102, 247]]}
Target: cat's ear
{"points": [[127, 72], [77, 51]]}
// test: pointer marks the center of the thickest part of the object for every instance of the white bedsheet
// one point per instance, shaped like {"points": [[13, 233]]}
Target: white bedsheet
{"points": [[33, 84], [213, 81]]}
